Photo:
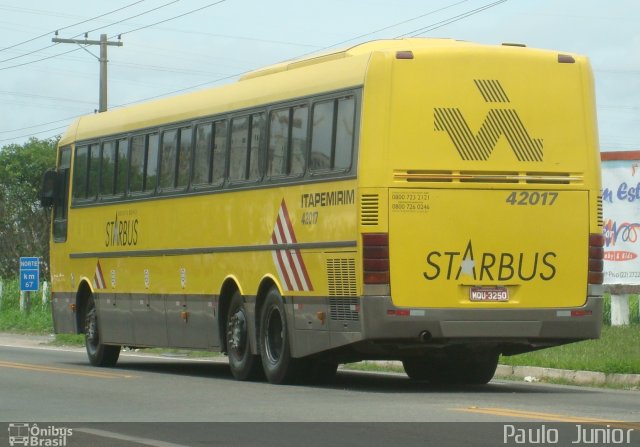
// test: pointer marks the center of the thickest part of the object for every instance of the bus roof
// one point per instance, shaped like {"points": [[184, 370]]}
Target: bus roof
{"points": [[331, 71]]}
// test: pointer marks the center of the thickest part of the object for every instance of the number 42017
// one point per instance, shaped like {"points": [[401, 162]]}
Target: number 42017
{"points": [[532, 198]]}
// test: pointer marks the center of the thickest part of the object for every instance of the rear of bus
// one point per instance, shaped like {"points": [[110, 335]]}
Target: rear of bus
{"points": [[481, 164]]}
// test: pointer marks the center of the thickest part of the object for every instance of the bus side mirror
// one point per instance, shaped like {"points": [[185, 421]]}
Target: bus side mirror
{"points": [[49, 189]]}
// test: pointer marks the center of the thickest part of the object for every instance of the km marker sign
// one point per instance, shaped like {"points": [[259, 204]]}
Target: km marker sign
{"points": [[497, 122], [29, 274]]}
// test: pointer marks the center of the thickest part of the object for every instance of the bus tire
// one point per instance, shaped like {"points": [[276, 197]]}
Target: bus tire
{"points": [[243, 364], [462, 368], [275, 345], [99, 354], [322, 371]]}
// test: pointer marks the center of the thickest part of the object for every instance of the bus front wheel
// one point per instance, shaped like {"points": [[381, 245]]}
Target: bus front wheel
{"points": [[244, 365], [275, 345], [99, 354]]}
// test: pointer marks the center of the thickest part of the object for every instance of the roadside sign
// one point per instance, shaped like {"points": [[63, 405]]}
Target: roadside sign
{"points": [[29, 274]]}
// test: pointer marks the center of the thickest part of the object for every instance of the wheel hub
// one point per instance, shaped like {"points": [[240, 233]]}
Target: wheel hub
{"points": [[91, 326], [237, 331]]}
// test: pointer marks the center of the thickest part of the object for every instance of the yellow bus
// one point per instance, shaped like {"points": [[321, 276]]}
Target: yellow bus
{"points": [[430, 201]]}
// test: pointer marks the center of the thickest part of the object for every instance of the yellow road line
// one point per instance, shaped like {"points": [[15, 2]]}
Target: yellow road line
{"points": [[68, 371], [508, 412]]}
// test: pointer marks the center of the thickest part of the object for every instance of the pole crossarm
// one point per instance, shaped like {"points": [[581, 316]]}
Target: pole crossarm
{"points": [[104, 43], [86, 42]]}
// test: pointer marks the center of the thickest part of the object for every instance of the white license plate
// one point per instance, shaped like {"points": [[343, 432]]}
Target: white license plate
{"points": [[488, 294]]}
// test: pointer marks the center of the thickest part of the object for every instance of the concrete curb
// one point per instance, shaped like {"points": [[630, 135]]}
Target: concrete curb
{"points": [[535, 374]]}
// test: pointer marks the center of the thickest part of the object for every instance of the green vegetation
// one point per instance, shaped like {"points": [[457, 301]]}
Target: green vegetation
{"points": [[24, 225], [37, 321], [617, 351]]}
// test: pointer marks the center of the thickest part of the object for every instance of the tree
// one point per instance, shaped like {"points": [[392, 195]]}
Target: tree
{"points": [[24, 225]]}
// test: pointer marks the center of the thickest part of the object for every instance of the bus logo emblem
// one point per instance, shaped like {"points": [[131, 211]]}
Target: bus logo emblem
{"points": [[289, 263], [498, 122]]}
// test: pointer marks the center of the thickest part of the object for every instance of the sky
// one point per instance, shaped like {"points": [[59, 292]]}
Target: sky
{"points": [[173, 46]]}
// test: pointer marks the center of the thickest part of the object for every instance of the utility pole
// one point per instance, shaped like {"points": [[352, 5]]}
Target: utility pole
{"points": [[104, 43]]}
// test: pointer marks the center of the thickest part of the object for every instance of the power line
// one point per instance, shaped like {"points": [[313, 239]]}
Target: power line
{"points": [[450, 20], [40, 125], [70, 26], [421, 30], [34, 133], [133, 17], [34, 95], [77, 35], [388, 27], [176, 17], [127, 32]]}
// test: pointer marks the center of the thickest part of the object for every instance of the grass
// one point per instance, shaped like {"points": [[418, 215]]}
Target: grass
{"points": [[37, 321], [617, 351]]}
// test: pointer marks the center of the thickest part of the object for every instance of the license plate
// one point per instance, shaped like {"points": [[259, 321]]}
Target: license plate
{"points": [[488, 294]]}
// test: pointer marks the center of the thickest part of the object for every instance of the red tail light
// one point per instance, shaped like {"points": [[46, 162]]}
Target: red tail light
{"points": [[375, 248], [596, 257]]}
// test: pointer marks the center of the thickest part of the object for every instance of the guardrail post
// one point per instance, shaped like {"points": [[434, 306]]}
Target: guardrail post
{"points": [[619, 310], [45, 291], [25, 302]]}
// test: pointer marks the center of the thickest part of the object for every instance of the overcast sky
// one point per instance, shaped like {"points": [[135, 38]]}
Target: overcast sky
{"points": [[220, 41]]}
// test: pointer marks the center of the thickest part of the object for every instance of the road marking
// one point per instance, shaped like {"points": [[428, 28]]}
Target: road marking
{"points": [[548, 416], [68, 371], [121, 437]]}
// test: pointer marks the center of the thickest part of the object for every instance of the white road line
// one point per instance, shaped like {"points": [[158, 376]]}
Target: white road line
{"points": [[122, 437]]}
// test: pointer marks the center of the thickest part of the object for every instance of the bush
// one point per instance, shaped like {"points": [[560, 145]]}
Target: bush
{"points": [[38, 320]]}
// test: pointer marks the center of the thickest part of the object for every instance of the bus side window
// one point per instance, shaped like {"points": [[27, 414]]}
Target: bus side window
{"points": [[122, 165], [137, 169], [256, 138], [345, 123], [184, 157], [60, 209], [278, 143], [93, 171], [333, 135], [287, 142], [202, 157], [298, 140], [219, 152], [322, 136], [168, 158], [108, 168], [80, 165], [238, 153], [151, 175]]}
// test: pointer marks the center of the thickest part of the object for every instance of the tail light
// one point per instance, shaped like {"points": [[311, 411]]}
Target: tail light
{"points": [[596, 258], [376, 258]]}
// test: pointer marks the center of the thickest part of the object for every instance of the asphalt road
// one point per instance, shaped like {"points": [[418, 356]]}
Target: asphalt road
{"points": [[139, 400]]}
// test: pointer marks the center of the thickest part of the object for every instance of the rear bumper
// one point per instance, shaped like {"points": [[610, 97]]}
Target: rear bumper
{"points": [[522, 326]]}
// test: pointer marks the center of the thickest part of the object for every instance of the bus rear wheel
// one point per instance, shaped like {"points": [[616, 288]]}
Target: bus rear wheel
{"points": [[275, 345], [244, 365], [99, 354], [462, 367]]}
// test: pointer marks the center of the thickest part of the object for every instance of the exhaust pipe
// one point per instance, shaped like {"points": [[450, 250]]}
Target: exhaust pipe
{"points": [[424, 336]]}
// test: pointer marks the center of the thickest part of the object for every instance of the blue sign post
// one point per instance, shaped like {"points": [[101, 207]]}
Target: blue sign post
{"points": [[29, 274]]}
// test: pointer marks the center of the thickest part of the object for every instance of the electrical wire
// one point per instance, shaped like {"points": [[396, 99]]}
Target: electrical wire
{"points": [[77, 35], [173, 18], [450, 20], [71, 26], [387, 27], [419, 31]]}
